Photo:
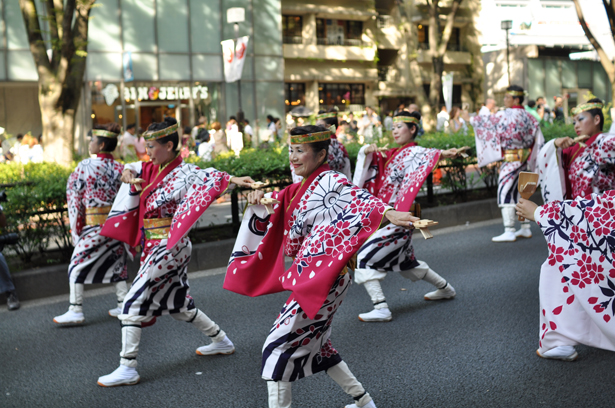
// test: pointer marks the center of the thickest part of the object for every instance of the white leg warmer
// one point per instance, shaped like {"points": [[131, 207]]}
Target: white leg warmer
{"points": [[121, 289], [280, 394], [76, 297], [363, 275], [435, 279], [202, 322], [341, 374], [525, 224], [417, 273], [374, 290], [131, 336], [508, 217]]}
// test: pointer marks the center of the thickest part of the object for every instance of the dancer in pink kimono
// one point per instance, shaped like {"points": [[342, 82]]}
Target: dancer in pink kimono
{"points": [[577, 281]]}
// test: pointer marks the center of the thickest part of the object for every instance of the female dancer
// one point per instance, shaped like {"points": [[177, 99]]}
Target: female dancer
{"points": [[90, 191], [174, 196], [337, 159], [396, 176], [321, 222], [577, 281], [569, 170]]}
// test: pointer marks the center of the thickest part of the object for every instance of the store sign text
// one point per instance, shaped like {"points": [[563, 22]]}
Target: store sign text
{"points": [[154, 93]]}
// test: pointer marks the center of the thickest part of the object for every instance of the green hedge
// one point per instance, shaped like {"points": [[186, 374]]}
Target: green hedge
{"points": [[36, 206]]}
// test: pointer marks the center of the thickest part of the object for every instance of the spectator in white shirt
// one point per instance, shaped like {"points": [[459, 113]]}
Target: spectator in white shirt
{"points": [[443, 118]]}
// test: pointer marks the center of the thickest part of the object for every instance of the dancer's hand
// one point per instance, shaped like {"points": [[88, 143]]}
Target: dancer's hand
{"points": [[564, 142], [254, 197], [401, 219], [371, 148], [449, 154], [526, 209], [243, 181], [127, 176]]}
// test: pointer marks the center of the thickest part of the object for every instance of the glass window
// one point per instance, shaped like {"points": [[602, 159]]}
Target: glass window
{"points": [[292, 29], [552, 78], [138, 25], [21, 66], [267, 25], [569, 74], [354, 30], [536, 73], [601, 82], [205, 31], [338, 32], [341, 94], [454, 43], [104, 27], [174, 67], [106, 66], [585, 74], [172, 26], [321, 30], [294, 95], [15, 27]]}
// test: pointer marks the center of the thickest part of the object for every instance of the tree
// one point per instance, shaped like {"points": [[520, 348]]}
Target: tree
{"points": [[607, 64], [60, 74], [438, 43]]}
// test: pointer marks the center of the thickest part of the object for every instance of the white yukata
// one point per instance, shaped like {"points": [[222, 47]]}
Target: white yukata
{"points": [[577, 281]]}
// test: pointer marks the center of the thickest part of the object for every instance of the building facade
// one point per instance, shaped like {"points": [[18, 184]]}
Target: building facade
{"points": [[153, 58], [353, 53], [549, 53]]}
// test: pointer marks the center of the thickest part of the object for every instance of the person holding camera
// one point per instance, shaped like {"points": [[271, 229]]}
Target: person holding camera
{"points": [[6, 283], [90, 192]]}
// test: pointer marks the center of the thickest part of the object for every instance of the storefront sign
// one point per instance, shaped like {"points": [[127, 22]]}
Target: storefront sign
{"points": [[155, 93]]}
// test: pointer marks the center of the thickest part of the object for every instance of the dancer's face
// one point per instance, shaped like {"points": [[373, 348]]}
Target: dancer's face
{"points": [[586, 124], [304, 160], [159, 153], [94, 147], [402, 133]]}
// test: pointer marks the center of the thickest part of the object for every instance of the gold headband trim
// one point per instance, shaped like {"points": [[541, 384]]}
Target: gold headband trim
{"points": [[310, 137], [158, 134], [406, 119], [326, 115], [586, 106], [103, 133], [515, 93]]}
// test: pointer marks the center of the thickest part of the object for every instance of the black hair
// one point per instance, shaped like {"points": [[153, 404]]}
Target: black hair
{"points": [[415, 115], [516, 88], [330, 121], [270, 118], [233, 117], [315, 146], [531, 103], [597, 112], [131, 126], [187, 130], [109, 142], [173, 137], [19, 136], [246, 121]]}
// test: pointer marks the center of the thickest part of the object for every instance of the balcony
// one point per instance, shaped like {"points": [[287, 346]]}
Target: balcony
{"points": [[331, 52], [450, 57], [347, 42], [293, 40], [449, 47]]}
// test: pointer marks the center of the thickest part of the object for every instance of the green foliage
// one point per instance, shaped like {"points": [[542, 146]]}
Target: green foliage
{"points": [[558, 129], [36, 206], [267, 165]]}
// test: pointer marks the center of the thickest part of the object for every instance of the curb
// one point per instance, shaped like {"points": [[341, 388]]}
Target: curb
{"points": [[52, 280]]}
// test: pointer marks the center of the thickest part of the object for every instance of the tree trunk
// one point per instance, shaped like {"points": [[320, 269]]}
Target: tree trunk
{"points": [[436, 83], [58, 127]]}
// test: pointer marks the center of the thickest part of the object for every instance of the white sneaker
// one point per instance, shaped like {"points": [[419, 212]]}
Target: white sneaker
{"points": [[505, 237], [222, 347], [448, 292], [70, 317], [123, 375], [566, 353], [377, 315], [524, 233], [115, 312], [368, 405]]}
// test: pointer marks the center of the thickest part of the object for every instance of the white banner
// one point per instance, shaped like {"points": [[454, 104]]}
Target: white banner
{"points": [[234, 58], [447, 90]]}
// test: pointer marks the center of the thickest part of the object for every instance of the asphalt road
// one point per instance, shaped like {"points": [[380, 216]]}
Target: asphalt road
{"points": [[477, 350]]}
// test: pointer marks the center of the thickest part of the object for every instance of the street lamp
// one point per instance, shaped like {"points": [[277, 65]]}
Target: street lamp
{"points": [[236, 15], [507, 25]]}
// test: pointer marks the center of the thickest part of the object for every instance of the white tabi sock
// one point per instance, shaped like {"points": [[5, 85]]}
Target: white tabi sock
{"points": [[131, 336], [374, 290], [76, 297], [280, 394], [340, 373]]}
